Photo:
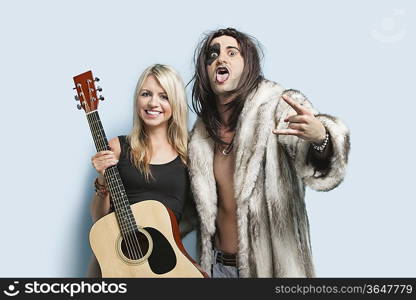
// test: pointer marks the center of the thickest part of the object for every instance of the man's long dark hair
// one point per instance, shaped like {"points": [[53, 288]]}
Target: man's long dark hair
{"points": [[203, 97]]}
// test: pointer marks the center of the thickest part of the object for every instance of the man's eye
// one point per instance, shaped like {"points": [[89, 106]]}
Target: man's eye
{"points": [[213, 55], [232, 53]]}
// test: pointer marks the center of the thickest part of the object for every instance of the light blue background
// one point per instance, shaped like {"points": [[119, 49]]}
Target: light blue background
{"points": [[353, 59]]}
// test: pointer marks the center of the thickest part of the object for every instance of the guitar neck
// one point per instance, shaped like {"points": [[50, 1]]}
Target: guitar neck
{"points": [[115, 185]]}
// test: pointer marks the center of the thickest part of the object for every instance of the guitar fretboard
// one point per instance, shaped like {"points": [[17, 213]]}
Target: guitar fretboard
{"points": [[118, 194]]}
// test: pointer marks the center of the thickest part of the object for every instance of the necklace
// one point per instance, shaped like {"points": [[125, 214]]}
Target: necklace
{"points": [[227, 150]]}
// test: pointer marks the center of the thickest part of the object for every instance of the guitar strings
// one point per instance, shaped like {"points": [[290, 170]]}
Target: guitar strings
{"points": [[93, 123], [129, 242], [93, 127], [131, 234], [130, 245], [120, 188], [117, 188]]}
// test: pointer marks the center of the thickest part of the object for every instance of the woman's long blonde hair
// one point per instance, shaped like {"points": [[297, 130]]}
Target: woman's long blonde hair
{"points": [[172, 83]]}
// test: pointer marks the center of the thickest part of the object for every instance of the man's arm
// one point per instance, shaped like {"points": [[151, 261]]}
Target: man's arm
{"points": [[324, 170]]}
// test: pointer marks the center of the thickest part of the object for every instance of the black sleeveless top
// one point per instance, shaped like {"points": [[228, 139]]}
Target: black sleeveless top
{"points": [[169, 185]]}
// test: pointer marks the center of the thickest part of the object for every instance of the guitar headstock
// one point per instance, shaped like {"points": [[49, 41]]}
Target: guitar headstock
{"points": [[87, 92]]}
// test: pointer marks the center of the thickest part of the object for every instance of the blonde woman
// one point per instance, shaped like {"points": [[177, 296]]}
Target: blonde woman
{"points": [[152, 159]]}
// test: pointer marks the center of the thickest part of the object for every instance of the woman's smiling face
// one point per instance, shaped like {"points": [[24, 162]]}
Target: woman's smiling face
{"points": [[153, 104]]}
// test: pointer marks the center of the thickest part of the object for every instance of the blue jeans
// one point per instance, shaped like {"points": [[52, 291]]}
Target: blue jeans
{"points": [[219, 270]]}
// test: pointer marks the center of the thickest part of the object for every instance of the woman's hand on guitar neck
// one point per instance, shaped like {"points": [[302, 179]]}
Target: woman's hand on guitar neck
{"points": [[103, 160]]}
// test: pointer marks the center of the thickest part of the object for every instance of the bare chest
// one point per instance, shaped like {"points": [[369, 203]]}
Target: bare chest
{"points": [[224, 168]]}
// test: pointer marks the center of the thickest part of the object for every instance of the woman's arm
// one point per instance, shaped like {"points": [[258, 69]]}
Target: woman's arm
{"points": [[100, 204]]}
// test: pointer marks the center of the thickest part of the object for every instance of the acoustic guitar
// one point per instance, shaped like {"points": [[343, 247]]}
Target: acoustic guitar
{"points": [[138, 240]]}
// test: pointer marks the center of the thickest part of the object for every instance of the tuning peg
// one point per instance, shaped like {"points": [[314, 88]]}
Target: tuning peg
{"points": [[97, 79], [99, 89], [76, 98], [79, 106], [101, 98]]}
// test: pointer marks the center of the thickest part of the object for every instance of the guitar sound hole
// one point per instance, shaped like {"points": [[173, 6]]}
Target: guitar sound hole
{"points": [[134, 245]]}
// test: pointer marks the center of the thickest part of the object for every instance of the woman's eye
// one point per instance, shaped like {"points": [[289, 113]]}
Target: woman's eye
{"points": [[144, 94], [232, 53], [164, 97]]}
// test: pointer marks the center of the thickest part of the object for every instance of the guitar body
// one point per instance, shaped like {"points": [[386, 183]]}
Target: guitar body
{"points": [[162, 253]]}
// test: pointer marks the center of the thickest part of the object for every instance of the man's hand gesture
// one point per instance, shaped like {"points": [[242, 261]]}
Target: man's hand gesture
{"points": [[303, 124]]}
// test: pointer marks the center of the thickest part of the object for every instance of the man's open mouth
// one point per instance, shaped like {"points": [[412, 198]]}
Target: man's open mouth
{"points": [[222, 74]]}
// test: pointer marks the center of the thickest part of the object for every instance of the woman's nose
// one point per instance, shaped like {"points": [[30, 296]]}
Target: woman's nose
{"points": [[152, 102]]}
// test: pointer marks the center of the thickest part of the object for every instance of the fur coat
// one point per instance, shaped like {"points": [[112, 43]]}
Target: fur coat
{"points": [[271, 173]]}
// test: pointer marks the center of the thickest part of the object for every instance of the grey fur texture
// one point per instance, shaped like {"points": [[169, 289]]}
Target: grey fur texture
{"points": [[271, 172]]}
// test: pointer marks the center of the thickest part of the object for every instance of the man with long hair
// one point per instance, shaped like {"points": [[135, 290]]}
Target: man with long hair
{"points": [[253, 149]]}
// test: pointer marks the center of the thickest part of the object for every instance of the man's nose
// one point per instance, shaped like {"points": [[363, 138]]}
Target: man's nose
{"points": [[221, 59]]}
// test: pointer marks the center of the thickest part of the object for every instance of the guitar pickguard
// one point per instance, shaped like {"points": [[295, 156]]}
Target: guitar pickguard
{"points": [[163, 258]]}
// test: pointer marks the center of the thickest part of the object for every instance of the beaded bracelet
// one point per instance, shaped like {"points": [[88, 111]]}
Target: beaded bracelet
{"points": [[100, 189], [322, 146]]}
